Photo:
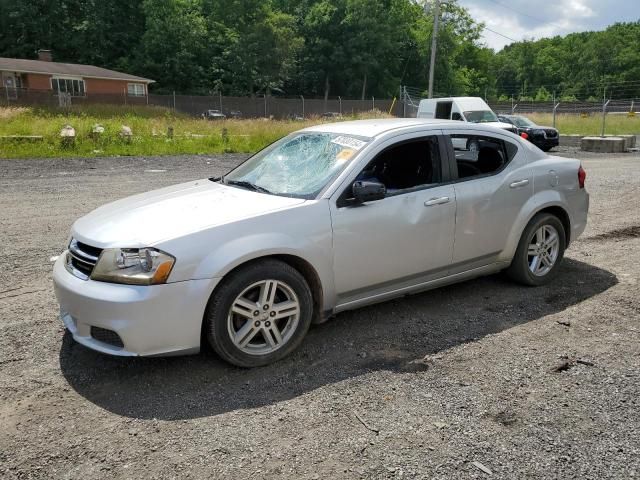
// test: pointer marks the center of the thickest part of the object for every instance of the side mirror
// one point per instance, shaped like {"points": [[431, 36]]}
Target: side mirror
{"points": [[368, 191], [456, 116]]}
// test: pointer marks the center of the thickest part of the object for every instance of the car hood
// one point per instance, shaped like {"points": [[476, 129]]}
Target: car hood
{"points": [[150, 218]]}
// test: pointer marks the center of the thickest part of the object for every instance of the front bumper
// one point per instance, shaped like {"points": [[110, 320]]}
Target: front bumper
{"points": [[543, 142], [150, 320]]}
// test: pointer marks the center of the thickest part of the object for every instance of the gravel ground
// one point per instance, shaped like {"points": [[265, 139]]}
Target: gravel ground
{"points": [[483, 379]]}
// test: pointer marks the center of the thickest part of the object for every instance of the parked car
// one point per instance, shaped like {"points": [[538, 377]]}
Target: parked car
{"points": [[464, 109], [544, 138], [327, 219], [214, 115]]}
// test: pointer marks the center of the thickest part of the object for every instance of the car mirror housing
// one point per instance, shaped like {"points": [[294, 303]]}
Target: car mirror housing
{"points": [[368, 191]]}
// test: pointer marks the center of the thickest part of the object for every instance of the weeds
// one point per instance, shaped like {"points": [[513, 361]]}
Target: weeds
{"points": [[616, 124], [151, 126]]}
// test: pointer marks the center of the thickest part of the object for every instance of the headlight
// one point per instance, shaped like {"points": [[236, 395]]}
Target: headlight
{"points": [[133, 266]]}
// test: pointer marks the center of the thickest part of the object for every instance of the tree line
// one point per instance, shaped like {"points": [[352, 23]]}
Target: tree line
{"points": [[351, 48]]}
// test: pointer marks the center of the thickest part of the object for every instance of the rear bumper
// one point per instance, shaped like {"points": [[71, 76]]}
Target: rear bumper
{"points": [[150, 320], [580, 207]]}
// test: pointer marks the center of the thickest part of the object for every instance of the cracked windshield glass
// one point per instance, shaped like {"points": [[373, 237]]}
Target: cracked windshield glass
{"points": [[299, 165]]}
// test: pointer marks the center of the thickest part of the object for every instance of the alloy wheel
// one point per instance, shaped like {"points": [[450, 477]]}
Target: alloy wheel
{"points": [[543, 250], [263, 317]]}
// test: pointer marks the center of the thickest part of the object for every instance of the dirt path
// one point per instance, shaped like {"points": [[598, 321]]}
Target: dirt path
{"points": [[454, 383]]}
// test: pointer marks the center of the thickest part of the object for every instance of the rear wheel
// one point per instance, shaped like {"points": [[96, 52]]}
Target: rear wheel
{"points": [[259, 314], [539, 252]]}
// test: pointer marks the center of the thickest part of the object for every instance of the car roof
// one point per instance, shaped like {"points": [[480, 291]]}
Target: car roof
{"points": [[376, 127]]}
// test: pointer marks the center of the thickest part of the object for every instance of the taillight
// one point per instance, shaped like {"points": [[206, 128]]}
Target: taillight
{"points": [[582, 176]]}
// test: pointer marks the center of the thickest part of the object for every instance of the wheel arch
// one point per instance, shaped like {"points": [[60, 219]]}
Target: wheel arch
{"points": [[563, 216], [301, 265], [536, 204]]}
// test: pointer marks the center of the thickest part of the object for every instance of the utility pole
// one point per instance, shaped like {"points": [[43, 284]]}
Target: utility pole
{"points": [[434, 42]]}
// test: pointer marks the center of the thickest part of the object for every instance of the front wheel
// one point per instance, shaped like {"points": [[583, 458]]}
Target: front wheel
{"points": [[259, 314], [539, 252]]}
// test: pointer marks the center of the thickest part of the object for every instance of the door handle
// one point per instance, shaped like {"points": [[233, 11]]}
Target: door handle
{"points": [[437, 201], [519, 183]]}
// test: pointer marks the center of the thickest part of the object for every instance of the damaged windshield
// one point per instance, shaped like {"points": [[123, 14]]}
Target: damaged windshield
{"points": [[299, 165]]}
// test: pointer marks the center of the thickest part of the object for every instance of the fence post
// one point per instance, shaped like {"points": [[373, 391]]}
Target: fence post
{"points": [[125, 95], [302, 98], [265, 106], [403, 93], [604, 114], [6, 90], [340, 101], [174, 100], [220, 97], [555, 107], [513, 107], [373, 103]]}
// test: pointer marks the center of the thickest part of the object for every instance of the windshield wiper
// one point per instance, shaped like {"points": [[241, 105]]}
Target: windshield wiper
{"points": [[247, 185]]}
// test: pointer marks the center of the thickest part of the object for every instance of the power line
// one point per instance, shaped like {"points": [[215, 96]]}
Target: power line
{"points": [[502, 35]]}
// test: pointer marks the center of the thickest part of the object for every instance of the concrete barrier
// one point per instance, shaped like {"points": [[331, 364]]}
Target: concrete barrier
{"points": [[603, 144], [629, 140], [570, 140]]}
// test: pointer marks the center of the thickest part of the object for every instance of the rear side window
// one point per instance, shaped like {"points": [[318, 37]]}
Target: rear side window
{"points": [[443, 110], [479, 155]]}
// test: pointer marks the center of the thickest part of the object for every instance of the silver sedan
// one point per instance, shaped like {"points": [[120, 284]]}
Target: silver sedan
{"points": [[327, 219]]}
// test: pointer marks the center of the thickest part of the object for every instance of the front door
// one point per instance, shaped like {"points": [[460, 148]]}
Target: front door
{"points": [[403, 239]]}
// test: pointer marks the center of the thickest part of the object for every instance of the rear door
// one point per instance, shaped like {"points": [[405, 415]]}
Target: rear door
{"points": [[492, 182]]}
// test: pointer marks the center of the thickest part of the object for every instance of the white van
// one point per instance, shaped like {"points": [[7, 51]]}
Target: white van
{"points": [[465, 109]]}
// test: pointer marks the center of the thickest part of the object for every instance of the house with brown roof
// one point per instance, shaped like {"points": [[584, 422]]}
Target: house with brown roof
{"points": [[70, 78]]}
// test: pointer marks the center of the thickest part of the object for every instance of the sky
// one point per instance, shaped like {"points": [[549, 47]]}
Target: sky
{"points": [[526, 19]]}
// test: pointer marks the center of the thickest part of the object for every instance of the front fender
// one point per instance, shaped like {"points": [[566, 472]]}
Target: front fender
{"points": [[303, 232]]}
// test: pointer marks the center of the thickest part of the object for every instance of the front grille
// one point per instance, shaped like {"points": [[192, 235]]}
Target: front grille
{"points": [[551, 133], [107, 336], [82, 258]]}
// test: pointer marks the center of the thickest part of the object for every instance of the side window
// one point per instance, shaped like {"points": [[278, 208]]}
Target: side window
{"points": [[443, 110], [478, 155], [407, 166]]}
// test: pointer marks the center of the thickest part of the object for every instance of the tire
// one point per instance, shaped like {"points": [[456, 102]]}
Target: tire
{"points": [[545, 148], [267, 323], [524, 264]]}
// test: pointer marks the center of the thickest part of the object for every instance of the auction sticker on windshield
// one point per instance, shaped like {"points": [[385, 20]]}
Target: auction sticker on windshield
{"points": [[349, 142]]}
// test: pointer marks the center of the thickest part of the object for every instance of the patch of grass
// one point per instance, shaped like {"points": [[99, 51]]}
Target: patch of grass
{"points": [[567, 124], [196, 136], [150, 132]]}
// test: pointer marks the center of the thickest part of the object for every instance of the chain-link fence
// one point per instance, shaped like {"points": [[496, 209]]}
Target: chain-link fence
{"points": [[410, 98], [234, 107]]}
